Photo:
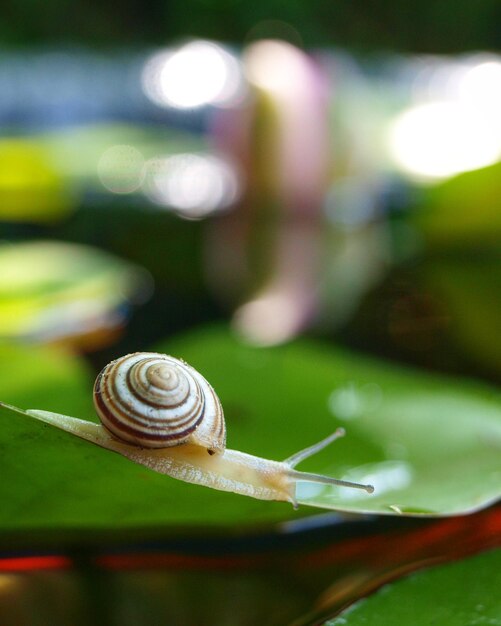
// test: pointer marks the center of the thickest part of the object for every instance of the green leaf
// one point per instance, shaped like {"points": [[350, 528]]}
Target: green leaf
{"points": [[462, 211], [466, 592], [50, 289], [429, 444]]}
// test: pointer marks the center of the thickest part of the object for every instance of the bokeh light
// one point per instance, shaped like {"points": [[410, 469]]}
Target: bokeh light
{"points": [[121, 169], [452, 123], [481, 86], [268, 319], [275, 66], [441, 139], [193, 185], [198, 73]]}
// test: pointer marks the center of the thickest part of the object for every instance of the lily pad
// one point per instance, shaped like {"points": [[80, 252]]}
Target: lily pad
{"points": [[429, 444], [59, 291], [466, 592]]}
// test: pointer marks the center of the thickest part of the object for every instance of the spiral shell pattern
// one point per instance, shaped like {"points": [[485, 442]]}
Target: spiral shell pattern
{"points": [[156, 401]]}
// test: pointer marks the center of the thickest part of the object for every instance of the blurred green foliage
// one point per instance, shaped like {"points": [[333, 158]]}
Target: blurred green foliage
{"points": [[437, 27], [463, 212]]}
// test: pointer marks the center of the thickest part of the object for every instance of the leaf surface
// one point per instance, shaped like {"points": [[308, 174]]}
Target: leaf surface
{"points": [[466, 592], [430, 445]]}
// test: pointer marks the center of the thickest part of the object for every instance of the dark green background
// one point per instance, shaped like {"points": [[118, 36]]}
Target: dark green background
{"points": [[431, 26]]}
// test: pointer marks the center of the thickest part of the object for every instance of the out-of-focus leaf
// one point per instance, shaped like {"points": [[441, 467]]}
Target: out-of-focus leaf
{"points": [[51, 290], [472, 298], [430, 445], [463, 210], [31, 188], [466, 592], [76, 152]]}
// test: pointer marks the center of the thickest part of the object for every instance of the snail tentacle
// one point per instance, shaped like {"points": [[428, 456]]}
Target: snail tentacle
{"points": [[300, 456]]}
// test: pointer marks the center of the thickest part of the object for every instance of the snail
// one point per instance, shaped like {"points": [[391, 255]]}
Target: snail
{"points": [[160, 412]]}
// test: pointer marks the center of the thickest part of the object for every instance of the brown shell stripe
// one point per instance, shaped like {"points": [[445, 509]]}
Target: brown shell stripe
{"points": [[119, 425], [114, 402], [156, 405], [135, 389], [221, 431], [120, 415]]}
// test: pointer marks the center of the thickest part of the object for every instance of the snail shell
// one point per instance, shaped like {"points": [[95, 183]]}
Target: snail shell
{"points": [[156, 401]]}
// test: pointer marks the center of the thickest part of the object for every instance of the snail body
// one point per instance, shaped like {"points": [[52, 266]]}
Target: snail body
{"points": [[160, 412]]}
